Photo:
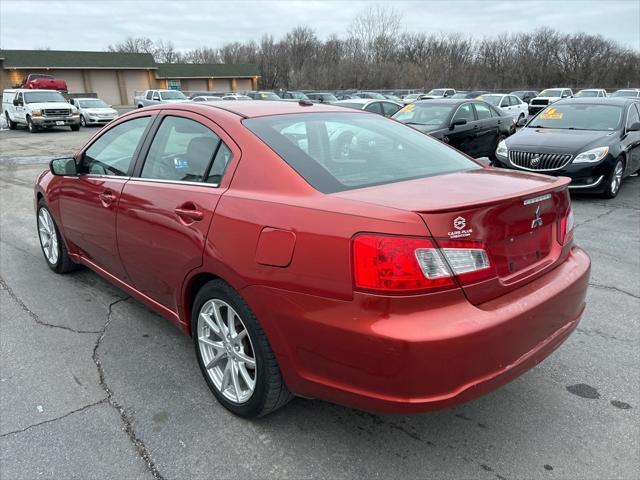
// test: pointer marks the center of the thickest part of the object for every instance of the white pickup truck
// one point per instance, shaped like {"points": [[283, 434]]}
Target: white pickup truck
{"points": [[38, 109], [154, 97], [547, 97]]}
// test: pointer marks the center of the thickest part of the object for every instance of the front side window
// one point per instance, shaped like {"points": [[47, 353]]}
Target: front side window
{"points": [[112, 153], [337, 151], [182, 150], [633, 116], [464, 112]]}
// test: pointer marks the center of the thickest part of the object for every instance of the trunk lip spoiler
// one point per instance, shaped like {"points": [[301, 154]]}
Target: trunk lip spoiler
{"points": [[561, 183]]}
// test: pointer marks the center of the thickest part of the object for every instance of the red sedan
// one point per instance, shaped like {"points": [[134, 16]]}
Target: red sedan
{"points": [[316, 251]]}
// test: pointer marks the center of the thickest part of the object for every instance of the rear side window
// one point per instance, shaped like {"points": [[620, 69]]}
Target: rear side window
{"points": [[389, 108], [113, 152], [483, 111], [343, 151], [464, 112], [182, 150], [632, 116], [149, 95], [374, 107]]}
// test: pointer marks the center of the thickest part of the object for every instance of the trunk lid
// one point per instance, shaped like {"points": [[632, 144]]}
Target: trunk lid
{"points": [[515, 215]]}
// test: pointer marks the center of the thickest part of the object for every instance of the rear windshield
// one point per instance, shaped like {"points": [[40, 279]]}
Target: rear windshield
{"points": [[579, 116], [343, 151]]}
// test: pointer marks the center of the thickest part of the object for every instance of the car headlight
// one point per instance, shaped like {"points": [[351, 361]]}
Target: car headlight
{"points": [[36, 113], [75, 113], [591, 156], [502, 151]]}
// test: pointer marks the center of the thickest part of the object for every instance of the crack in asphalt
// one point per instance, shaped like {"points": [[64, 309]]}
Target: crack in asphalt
{"points": [[614, 289], [127, 421], [77, 410], [33, 315], [597, 217]]}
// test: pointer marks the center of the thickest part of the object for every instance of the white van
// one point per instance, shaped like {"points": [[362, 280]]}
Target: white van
{"points": [[38, 109]]}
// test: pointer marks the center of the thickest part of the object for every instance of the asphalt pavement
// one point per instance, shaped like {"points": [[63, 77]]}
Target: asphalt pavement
{"points": [[95, 385]]}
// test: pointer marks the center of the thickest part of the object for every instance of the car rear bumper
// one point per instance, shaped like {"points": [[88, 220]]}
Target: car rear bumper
{"points": [[403, 355]]}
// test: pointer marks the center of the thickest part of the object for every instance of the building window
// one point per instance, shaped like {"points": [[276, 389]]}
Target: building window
{"points": [[174, 85]]}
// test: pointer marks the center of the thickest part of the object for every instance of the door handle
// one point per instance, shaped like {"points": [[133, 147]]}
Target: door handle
{"points": [[107, 197], [190, 212]]}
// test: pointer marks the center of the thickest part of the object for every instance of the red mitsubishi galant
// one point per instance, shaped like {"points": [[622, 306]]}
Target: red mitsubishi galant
{"points": [[322, 252]]}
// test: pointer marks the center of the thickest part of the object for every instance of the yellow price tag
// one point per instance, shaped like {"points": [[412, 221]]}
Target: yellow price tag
{"points": [[551, 113], [409, 108]]}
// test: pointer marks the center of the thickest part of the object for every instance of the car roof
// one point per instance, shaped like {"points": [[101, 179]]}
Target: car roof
{"points": [[266, 108], [591, 90], [599, 100]]}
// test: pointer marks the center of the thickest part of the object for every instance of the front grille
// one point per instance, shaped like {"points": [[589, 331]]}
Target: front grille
{"points": [[539, 161], [539, 102], [56, 112]]}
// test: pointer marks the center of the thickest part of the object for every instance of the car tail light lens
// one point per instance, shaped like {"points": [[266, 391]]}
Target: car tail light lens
{"points": [[565, 232], [394, 264]]}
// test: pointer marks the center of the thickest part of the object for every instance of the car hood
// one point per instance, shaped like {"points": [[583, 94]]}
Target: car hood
{"points": [[176, 101], [49, 105], [557, 140]]}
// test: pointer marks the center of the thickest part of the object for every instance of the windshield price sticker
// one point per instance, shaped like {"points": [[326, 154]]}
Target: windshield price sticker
{"points": [[409, 108], [551, 114]]}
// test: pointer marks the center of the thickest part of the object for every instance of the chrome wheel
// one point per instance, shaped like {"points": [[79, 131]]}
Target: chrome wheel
{"points": [[48, 236], [227, 353], [616, 178]]}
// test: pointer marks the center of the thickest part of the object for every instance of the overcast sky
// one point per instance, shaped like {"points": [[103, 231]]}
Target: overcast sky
{"points": [[93, 25]]}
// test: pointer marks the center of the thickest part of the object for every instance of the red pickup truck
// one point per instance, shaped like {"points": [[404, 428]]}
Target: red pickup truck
{"points": [[38, 81]]}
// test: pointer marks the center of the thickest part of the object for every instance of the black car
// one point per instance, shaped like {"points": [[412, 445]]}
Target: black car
{"points": [[525, 95], [472, 94], [595, 141], [322, 97], [472, 126]]}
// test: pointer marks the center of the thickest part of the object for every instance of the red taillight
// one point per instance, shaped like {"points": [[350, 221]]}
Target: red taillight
{"points": [[394, 264], [565, 230]]}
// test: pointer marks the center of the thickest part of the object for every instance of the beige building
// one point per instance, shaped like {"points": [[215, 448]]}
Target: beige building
{"points": [[115, 77]]}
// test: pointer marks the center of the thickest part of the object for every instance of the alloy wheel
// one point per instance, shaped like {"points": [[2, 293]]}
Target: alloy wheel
{"points": [[48, 236], [226, 350], [616, 178]]}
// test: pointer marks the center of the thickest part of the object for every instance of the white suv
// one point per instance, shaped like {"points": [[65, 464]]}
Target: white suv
{"points": [[38, 109]]}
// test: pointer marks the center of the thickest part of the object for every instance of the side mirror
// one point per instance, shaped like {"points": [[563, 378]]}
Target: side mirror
{"points": [[63, 166], [459, 121], [522, 122], [15, 102], [634, 127]]}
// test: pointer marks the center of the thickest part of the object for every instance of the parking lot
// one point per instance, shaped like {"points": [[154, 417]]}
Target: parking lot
{"points": [[95, 385]]}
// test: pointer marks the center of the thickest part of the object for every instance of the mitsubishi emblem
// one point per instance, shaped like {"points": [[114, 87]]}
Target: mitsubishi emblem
{"points": [[536, 222]]}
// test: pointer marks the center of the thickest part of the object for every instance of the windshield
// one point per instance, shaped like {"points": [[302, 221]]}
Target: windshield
{"points": [[424, 114], [268, 96], [43, 97], [587, 93], [551, 93], [460, 95], [492, 99], [579, 116], [375, 95], [172, 95], [363, 150], [329, 98], [298, 96], [412, 96], [625, 93], [97, 103], [439, 92]]}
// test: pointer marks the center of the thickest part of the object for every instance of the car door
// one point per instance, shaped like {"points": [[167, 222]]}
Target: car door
{"points": [[505, 105], [463, 137], [167, 206], [487, 129], [20, 109], [89, 200], [631, 139]]}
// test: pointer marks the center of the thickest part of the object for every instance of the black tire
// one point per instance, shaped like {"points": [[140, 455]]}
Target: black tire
{"points": [[83, 121], [270, 392], [75, 128], [63, 263], [12, 125], [612, 188], [31, 126]]}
